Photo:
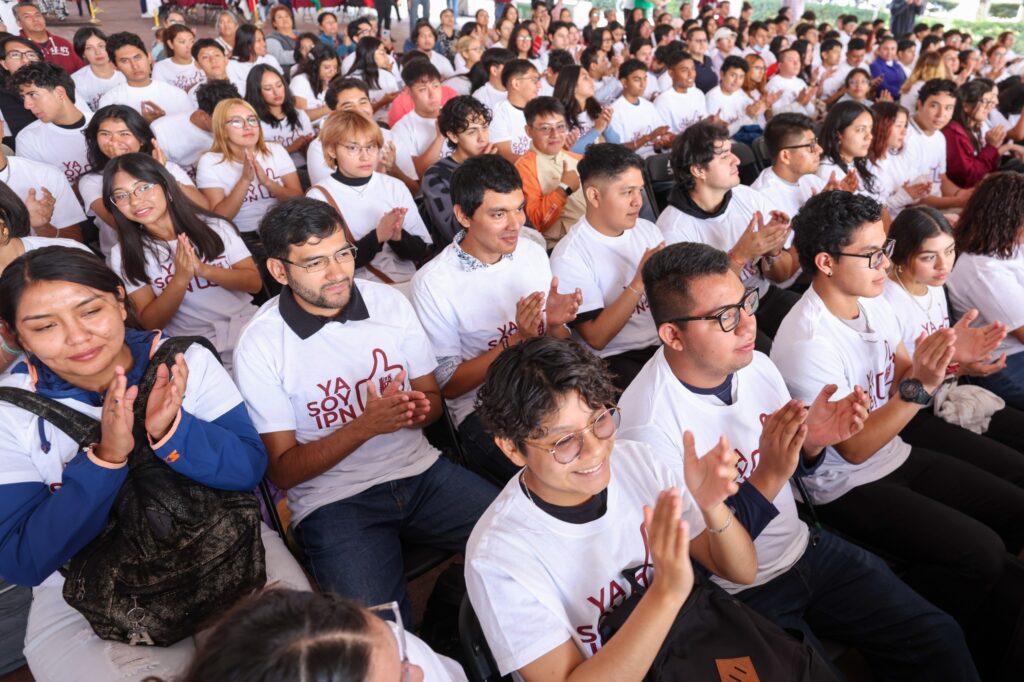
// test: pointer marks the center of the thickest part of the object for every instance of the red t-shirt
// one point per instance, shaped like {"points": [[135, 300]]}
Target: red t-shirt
{"points": [[402, 104], [59, 51]]}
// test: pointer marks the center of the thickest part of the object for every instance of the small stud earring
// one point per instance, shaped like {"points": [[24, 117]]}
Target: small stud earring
{"points": [[829, 273]]}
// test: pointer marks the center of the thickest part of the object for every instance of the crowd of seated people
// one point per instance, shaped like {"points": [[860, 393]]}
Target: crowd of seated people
{"points": [[634, 314]]}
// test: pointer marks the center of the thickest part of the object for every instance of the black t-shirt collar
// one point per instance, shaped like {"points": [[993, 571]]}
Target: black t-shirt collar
{"points": [[306, 324]]}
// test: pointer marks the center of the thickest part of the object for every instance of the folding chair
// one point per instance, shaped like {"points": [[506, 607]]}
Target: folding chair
{"points": [[748, 163], [476, 656], [764, 158], [658, 169]]}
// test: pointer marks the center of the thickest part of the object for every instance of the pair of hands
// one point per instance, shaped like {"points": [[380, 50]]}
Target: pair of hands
{"points": [[971, 347], [187, 263], [660, 137], [389, 228], [117, 416], [762, 239], [393, 408], [537, 313], [252, 168], [151, 111]]}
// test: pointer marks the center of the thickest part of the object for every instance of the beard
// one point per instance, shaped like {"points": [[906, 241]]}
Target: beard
{"points": [[320, 299]]}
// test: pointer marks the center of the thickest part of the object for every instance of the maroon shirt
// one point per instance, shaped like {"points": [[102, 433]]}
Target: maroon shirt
{"points": [[59, 51]]}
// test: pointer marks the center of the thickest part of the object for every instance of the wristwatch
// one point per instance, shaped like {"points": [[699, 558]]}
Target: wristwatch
{"points": [[565, 188], [913, 391]]}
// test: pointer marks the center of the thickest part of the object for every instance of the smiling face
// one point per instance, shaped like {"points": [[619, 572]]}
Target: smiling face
{"points": [[547, 132], [76, 331], [616, 202], [493, 230], [115, 138], [140, 201]]}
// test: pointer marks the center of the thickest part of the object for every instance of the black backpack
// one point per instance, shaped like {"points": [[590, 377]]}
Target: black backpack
{"points": [[175, 553]]}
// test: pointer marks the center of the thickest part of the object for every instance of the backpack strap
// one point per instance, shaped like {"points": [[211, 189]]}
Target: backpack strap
{"points": [[81, 428], [164, 355], [348, 234]]}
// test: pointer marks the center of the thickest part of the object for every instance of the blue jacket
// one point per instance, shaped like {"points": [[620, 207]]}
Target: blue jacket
{"points": [[41, 530]]}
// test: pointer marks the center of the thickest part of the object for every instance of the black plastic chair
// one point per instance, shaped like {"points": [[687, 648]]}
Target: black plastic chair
{"points": [[761, 153], [476, 655], [658, 171], [748, 163]]}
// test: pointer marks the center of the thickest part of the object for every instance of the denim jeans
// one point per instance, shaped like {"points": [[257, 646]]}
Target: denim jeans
{"points": [[841, 592], [1009, 383], [354, 546], [414, 15]]}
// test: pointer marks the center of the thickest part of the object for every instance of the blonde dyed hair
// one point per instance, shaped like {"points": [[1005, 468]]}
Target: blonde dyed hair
{"points": [[221, 144], [928, 66], [343, 126]]}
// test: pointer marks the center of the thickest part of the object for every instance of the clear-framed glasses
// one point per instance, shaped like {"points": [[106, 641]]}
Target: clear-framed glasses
{"points": [[391, 614], [121, 197], [21, 56], [547, 130], [728, 317], [239, 122], [357, 149], [567, 449], [875, 258], [988, 101], [342, 256]]}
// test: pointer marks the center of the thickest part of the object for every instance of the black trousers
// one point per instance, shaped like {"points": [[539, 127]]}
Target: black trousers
{"points": [[999, 451], [773, 308], [625, 366]]}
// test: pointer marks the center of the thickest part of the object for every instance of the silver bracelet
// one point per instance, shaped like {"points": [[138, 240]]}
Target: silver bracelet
{"points": [[719, 531]]}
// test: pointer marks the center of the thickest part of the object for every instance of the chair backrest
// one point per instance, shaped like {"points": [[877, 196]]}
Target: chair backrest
{"points": [[476, 655], [748, 163], [764, 158], [659, 167], [658, 179]]}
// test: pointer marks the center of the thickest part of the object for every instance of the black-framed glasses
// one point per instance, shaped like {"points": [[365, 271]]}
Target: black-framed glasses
{"points": [[728, 317], [806, 145], [875, 258], [342, 256], [567, 449]]}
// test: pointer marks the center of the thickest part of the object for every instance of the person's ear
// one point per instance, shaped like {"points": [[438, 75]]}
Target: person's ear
{"points": [[671, 336], [511, 451], [592, 195], [825, 263], [461, 216], [276, 268], [122, 303]]}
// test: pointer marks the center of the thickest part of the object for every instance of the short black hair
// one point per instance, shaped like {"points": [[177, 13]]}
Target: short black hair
{"points": [[606, 161], [555, 25], [928, 41], [82, 36], [46, 75], [674, 57], [785, 129], [124, 39], [662, 30], [669, 273], [937, 86], [856, 44], [590, 56], [830, 44], [296, 221], [527, 383], [204, 43], [542, 106], [516, 68], [639, 42], [695, 146], [905, 44], [355, 25], [323, 15], [734, 62], [557, 59], [826, 223], [459, 111], [418, 70], [341, 83], [629, 66], [479, 174], [212, 93]]}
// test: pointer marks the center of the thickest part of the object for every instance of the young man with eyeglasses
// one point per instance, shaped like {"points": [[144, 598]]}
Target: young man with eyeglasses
{"points": [[956, 527], [697, 45], [603, 254], [521, 80], [338, 378], [489, 289], [709, 206], [707, 377], [150, 98], [549, 559], [550, 181], [55, 49]]}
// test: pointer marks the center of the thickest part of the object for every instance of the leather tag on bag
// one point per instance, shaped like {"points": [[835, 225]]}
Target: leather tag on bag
{"points": [[737, 669]]}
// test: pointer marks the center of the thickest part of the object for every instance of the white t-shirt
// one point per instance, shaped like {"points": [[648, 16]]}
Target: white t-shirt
{"points": [[387, 83], [509, 125], [238, 71], [926, 155], [33, 243], [207, 309], [490, 95], [182, 141], [56, 145], [468, 312], [285, 134], [993, 286], [536, 581], [89, 87], [412, 135], [723, 231], [301, 87], [441, 63], [284, 391], [90, 188], [602, 267], [23, 174], [681, 110], [209, 394], [214, 171], [731, 108], [791, 88], [917, 314], [169, 98], [657, 408], [814, 348], [632, 121], [838, 78], [364, 206], [182, 76], [787, 196]]}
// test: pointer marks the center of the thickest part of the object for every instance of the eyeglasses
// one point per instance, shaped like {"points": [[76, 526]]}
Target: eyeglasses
{"points": [[988, 102], [547, 130], [874, 257], [531, 79], [567, 449], [21, 55], [391, 610], [342, 256], [524, 38], [120, 198], [358, 149], [239, 122], [813, 144], [728, 318]]}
